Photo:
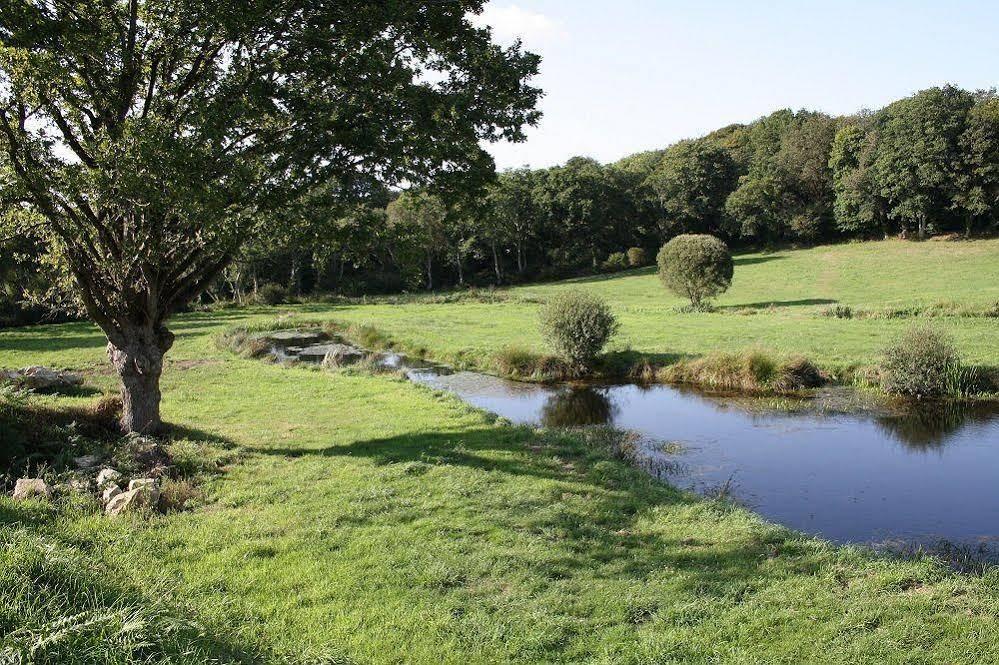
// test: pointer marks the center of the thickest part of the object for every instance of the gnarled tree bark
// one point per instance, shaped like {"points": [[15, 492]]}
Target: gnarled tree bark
{"points": [[139, 364]]}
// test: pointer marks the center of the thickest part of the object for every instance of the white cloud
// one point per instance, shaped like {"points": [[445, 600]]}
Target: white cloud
{"points": [[511, 22]]}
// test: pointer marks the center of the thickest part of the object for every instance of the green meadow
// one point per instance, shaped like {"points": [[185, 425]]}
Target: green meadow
{"points": [[778, 302], [362, 519]]}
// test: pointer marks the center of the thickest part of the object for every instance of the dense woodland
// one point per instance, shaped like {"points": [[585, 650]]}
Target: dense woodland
{"points": [[926, 164]]}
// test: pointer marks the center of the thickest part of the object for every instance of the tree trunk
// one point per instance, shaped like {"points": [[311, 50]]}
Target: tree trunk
{"points": [[139, 364], [457, 261], [496, 265], [520, 258], [922, 228], [430, 273], [294, 281]]}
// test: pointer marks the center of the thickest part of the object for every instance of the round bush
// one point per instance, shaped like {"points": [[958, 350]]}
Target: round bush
{"points": [[637, 257], [577, 325], [695, 266], [923, 363]]}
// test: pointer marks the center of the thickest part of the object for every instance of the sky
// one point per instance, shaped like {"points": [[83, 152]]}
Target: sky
{"points": [[622, 76]]}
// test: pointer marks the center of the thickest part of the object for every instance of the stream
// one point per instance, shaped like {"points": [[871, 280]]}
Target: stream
{"points": [[921, 476], [899, 477]]}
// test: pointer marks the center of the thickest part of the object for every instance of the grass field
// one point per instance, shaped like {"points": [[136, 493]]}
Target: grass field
{"points": [[776, 302], [368, 520]]}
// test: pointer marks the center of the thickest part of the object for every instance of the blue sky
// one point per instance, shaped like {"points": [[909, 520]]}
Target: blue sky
{"points": [[622, 76]]}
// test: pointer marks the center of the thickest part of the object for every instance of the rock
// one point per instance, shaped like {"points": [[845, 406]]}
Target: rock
{"points": [[86, 461], [286, 338], [42, 378], [142, 493], [142, 482], [28, 488], [108, 477], [81, 485], [332, 354], [110, 493], [149, 484]]}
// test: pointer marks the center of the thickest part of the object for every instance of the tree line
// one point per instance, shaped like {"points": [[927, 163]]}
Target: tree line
{"points": [[925, 164]]}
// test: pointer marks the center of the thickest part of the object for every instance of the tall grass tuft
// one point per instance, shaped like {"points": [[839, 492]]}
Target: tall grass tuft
{"points": [[61, 607], [753, 370], [518, 363]]}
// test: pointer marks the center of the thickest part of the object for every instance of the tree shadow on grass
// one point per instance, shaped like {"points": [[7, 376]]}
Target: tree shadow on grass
{"points": [[607, 276], [76, 336], [84, 335], [754, 260], [589, 507], [766, 304]]}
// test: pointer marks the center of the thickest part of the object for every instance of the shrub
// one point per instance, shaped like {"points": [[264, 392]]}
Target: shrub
{"points": [[695, 266], [577, 325], [839, 312], [369, 337], [923, 363], [615, 261], [271, 294], [637, 257]]}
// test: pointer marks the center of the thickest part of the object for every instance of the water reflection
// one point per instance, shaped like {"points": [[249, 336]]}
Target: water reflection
{"points": [[929, 425], [574, 407], [819, 465]]}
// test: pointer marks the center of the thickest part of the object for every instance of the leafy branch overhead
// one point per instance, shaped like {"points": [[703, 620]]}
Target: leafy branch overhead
{"points": [[156, 137]]}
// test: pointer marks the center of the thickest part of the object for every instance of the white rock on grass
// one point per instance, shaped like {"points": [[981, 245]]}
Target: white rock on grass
{"points": [[142, 493], [149, 483], [42, 378], [86, 461], [110, 493], [107, 477], [29, 488]]}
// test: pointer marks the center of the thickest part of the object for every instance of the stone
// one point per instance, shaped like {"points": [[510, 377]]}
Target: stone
{"points": [[148, 484], [43, 378], [28, 488], [286, 338], [332, 354], [106, 477], [110, 493], [86, 461], [142, 493]]}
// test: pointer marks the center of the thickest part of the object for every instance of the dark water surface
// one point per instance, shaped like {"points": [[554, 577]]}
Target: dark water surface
{"points": [[915, 477]]}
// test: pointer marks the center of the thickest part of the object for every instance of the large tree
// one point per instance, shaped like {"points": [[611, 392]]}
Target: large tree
{"points": [[156, 136], [918, 157], [691, 183], [857, 208], [586, 208], [978, 174]]}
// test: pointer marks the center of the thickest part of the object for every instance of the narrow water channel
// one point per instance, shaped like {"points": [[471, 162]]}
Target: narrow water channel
{"points": [[920, 476]]}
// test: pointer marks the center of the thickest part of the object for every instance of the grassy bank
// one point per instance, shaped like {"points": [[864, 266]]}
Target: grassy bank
{"points": [[370, 520]]}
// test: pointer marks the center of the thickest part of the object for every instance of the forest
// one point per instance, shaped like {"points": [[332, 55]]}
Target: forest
{"points": [[927, 164]]}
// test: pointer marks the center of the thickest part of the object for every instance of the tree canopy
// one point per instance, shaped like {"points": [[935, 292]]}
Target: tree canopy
{"points": [[155, 137]]}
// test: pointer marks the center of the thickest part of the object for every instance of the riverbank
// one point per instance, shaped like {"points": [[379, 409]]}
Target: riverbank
{"points": [[753, 372], [370, 520]]}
